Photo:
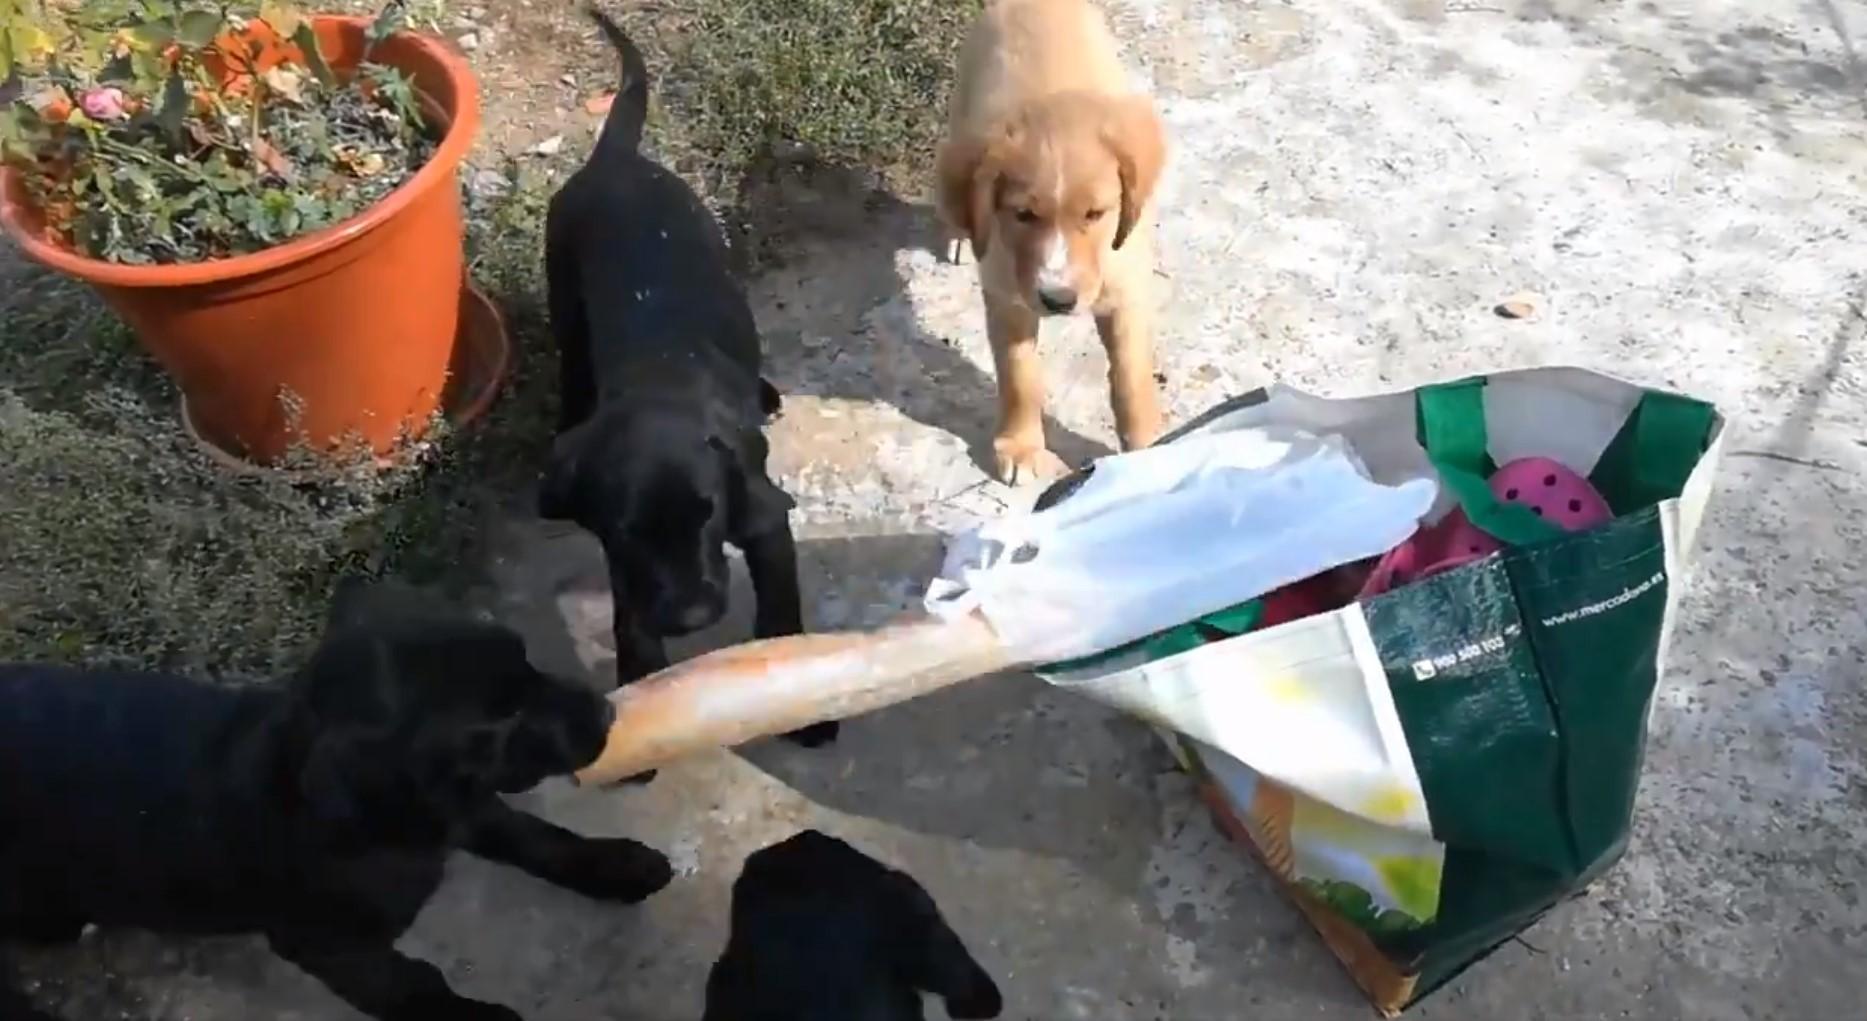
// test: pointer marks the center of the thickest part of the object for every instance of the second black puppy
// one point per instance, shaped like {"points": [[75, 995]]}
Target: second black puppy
{"points": [[823, 932], [661, 447], [318, 812]]}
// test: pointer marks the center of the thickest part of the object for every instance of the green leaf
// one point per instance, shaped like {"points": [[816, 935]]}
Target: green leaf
{"points": [[175, 105], [311, 211], [142, 180], [224, 177], [106, 12], [198, 28], [307, 41], [20, 43], [393, 18], [148, 67], [14, 148], [153, 34]]}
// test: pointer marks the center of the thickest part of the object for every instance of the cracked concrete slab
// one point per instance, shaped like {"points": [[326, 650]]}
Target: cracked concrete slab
{"points": [[1356, 184]]}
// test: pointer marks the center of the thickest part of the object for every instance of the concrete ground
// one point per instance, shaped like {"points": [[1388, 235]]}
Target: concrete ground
{"points": [[1357, 183]]}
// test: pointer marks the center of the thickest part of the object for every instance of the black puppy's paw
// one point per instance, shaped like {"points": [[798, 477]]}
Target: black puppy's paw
{"points": [[18, 1008], [47, 931], [642, 779], [620, 869], [981, 1003], [458, 1008], [816, 735]]}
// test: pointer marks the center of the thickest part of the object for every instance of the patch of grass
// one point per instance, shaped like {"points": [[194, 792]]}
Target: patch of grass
{"points": [[120, 542], [421, 15], [839, 82], [121, 545], [427, 15]]}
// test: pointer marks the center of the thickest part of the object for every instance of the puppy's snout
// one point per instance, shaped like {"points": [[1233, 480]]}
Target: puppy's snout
{"points": [[688, 616], [584, 719], [1058, 300], [696, 617], [565, 729], [1056, 283]]}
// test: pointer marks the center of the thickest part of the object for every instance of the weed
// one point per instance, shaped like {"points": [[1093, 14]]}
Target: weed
{"points": [[840, 82]]}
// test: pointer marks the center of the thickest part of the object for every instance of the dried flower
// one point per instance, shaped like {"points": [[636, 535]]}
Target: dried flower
{"points": [[286, 83], [52, 104]]}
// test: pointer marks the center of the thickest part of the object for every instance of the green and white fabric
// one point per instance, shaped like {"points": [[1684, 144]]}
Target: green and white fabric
{"points": [[1450, 758]]}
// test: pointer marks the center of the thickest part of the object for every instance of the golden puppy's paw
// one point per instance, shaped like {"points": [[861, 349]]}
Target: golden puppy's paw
{"points": [[1138, 421], [1141, 435], [1024, 462]]}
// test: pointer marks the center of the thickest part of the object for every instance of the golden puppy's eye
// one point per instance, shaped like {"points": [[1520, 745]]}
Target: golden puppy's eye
{"points": [[1026, 216], [1094, 214]]}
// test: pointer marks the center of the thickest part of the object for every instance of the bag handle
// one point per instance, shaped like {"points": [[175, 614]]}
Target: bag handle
{"points": [[1655, 451], [1450, 418]]}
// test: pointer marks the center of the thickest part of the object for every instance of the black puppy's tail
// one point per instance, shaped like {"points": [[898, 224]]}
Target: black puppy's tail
{"points": [[622, 129]]}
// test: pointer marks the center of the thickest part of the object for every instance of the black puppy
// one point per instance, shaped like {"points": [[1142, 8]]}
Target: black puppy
{"points": [[822, 932], [317, 812], [661, 447]]}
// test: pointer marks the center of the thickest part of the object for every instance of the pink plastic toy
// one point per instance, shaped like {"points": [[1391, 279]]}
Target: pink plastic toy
{"points": [[1546, 487]]}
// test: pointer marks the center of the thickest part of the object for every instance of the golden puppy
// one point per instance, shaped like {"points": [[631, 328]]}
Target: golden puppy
{"points": [[1048, 168]]}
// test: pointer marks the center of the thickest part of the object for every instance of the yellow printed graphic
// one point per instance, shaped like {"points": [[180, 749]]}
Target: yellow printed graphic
{"points": [[1393, 804]]}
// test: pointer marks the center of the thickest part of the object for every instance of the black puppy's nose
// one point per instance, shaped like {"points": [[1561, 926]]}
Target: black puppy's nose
{"points": [[697, 616], [690, 615], [1057, 299]]}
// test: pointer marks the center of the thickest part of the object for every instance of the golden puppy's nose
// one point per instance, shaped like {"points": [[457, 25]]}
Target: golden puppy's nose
{"points": [[1057, 299]]}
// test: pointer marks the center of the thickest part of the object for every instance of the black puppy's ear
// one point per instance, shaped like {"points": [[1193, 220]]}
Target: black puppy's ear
{"points": [[557, 491], [336, 698], [758, 506], [937, 961], [770, 401], [326, 783], [348, 597]]}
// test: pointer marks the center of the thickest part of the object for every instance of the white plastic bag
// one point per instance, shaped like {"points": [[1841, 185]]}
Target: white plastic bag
{"points": [[1161, 536]]}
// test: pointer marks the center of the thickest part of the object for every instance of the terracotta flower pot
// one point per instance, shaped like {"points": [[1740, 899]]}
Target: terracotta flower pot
{"points": [[340, 334]]}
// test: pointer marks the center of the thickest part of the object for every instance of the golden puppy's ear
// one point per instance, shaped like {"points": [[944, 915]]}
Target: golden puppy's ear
{"points": [[1139, 141], [954, 165], [968, 180]]}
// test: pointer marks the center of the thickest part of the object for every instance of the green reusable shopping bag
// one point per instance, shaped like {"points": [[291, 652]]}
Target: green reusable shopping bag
{"points": [[1511, 694]]}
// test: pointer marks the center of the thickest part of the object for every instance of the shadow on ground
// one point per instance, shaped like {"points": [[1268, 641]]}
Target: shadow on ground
{"points": [[1663, 52], [834, 223]]}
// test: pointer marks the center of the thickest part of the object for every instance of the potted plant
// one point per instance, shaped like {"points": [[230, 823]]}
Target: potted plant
{"points": [[268, 199]]}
